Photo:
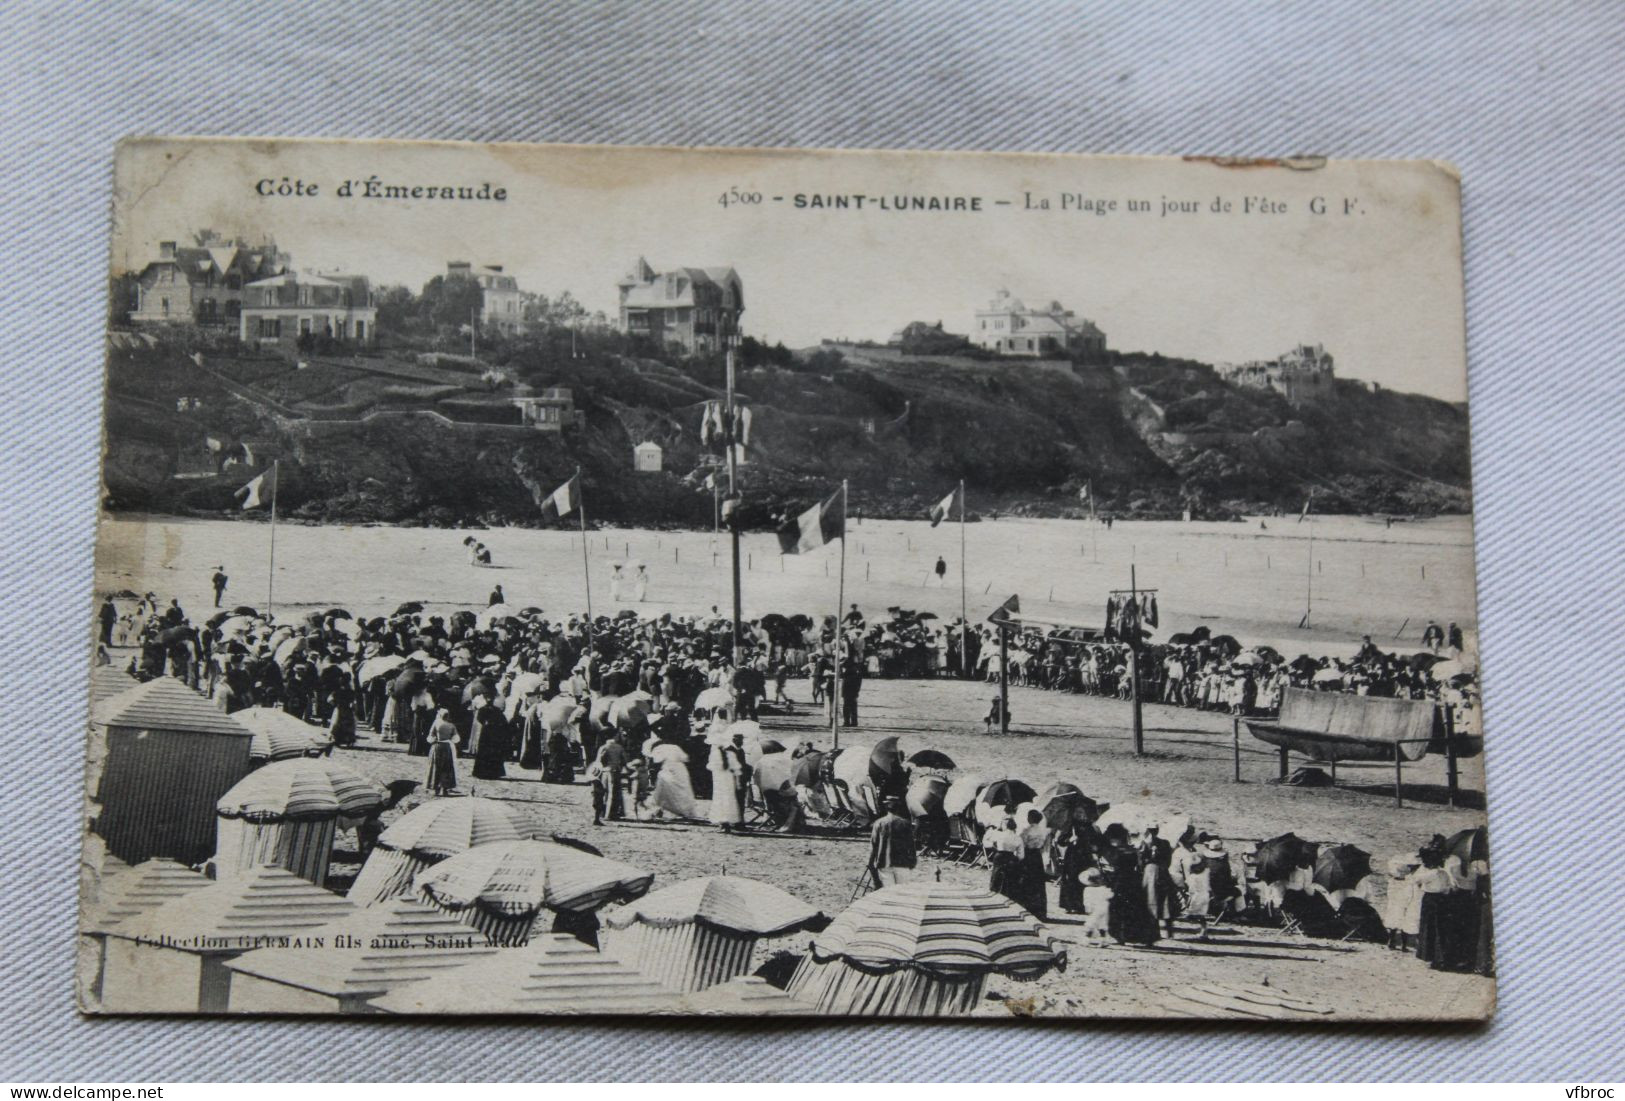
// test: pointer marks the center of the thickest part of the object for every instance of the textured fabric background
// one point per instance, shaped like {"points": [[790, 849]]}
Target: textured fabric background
{"points": [[1528, 99]]}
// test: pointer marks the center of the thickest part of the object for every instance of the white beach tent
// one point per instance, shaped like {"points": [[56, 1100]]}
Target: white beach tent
{"points": [[171, 959]]}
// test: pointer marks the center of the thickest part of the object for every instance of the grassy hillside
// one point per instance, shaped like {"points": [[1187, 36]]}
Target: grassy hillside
{"points": [[369, 440]]}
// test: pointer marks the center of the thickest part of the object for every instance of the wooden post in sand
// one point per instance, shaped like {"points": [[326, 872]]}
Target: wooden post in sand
{"points": [[1235, 744]]}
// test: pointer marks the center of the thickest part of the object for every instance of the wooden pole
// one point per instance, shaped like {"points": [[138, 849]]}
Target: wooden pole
{"points": [[586, 577], [1451, 772], [729, 438], [1235, 744], [840, 635], [1285, 765], [1004, 679], [1399, 777], [1134, 664], [270, 572], [964, 602]]}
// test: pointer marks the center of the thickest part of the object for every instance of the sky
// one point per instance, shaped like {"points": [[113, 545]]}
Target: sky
{"points": [[1376, 278]]}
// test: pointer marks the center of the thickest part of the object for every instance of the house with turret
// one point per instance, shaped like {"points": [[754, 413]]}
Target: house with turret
{"points": [[693, 309]]}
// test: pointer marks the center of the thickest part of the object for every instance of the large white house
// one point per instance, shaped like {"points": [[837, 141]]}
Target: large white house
{"points": [[1010, 327]]}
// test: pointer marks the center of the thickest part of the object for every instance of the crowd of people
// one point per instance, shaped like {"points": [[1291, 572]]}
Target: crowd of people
{"points": [[655, 713]]}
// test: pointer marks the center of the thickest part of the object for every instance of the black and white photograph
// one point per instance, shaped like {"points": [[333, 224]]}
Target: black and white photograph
{"points": [[559, 580]]}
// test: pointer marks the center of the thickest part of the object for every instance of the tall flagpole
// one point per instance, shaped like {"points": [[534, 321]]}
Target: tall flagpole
{"points": [[964, 614], [270, 573], [1309, 591], [586, 575], [840, 635], [730, 438]]}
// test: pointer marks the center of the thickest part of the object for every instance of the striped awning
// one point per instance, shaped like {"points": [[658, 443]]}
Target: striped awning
{"points": [[514, 878], [943, 929], [446, 827], [746, 996], [727, 902], [164, 704], [305, 787], [278, 736], [141, 888]]}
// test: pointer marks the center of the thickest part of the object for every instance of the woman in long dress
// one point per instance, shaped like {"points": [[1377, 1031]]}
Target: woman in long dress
{"points": [[673, 794], [725, 809], [1004, 852], [442, 754], [1034, 883], [494, 747]]}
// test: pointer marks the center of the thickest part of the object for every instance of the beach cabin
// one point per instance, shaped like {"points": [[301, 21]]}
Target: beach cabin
{"points": [[647, 458], [127, 894], [370, 954], [172, 959], [170, 755], [553, 974]]}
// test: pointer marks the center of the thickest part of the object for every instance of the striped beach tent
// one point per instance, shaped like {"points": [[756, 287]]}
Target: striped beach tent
{"points": [[129, 893], [701, 932], [553, 974], [921, 949], [287, 813], [499, 888], [363, 956], [279, 736], [171, 959], [428, 834]]}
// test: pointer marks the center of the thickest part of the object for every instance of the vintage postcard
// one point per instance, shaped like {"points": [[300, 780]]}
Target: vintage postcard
{"points": [[574, 580]]}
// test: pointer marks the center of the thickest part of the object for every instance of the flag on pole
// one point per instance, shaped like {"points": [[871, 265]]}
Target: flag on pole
{"points": [[945, 507], [565, 499], [257, 491], [824, 523], [1005, 614], [1086, 494], [1306, 502]]}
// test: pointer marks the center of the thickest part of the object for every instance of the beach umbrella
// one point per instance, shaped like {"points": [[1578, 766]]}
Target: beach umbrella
{"points": [[925, 794], [411, 607], [301, 788], [1065, 803], [217, 619], [313, 619], [631, 711], [1470, 844], [287, 648], [349, 628], [379, 666], [1329, 675], [286, 814], [668, 753], [999, 797], [530, 612], [1423, 661], [1280, 856], [933, 759], [1449, 670], [1247, 659], [921, 948], [244, 609], [701, 932], [576, 843], [771, 745], [1224, 644], [962, 793], [516, 879], [494, 614], [428, 834], [338, 613], [712, 698], [279, 736], [479, 686], [1341, 867], [1303, 663], [526, 683]]}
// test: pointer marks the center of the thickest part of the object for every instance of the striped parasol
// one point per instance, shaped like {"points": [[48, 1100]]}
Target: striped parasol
{"points": [[428, 834], [302, 788], [943, 929], [514, 878], [446, 827], [728, 902], [278, 736]]}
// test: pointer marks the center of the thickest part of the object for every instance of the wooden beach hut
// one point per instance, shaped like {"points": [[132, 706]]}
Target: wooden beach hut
{"points": [[702, 932], [370, 953], [554, 974], [287, 813], [126, 895], [172, 959], [425, 836], [170, 756], [920, 950]]}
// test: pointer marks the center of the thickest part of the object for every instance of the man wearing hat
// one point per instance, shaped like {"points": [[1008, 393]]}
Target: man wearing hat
{"points": [[218, 581]]}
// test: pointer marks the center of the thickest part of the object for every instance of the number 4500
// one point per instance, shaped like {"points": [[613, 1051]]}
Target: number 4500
{"points": [[735, 197]]}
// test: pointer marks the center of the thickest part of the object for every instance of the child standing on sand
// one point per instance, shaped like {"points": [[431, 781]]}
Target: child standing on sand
{"points": [[1097, 899]]}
